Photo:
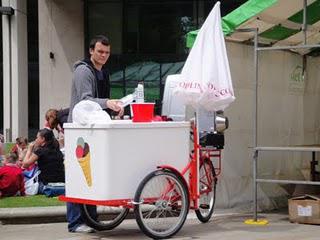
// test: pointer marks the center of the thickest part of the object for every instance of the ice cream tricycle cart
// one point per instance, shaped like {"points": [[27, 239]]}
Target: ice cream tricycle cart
{"points": [[162, 169], [158, 169]]}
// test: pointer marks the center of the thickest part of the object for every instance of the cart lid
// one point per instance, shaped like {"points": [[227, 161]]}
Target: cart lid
{"points": [[128, 124]]}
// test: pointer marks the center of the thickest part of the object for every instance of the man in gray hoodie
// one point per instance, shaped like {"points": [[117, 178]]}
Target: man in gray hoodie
{"points": [[90, 82]]}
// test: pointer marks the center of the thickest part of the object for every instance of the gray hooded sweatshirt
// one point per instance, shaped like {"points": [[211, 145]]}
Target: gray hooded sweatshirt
{"points": [[84, 86]]}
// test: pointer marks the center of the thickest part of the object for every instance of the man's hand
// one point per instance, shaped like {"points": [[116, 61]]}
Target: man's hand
{"points": [[116, 106]]}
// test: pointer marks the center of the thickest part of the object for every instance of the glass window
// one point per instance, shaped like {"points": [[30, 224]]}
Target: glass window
{"points": [[147, 38], [105, 17], [157, 27], [33, 68]]}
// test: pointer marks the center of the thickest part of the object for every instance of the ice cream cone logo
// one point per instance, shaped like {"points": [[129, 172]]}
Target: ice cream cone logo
{"points": [[83, 156]]}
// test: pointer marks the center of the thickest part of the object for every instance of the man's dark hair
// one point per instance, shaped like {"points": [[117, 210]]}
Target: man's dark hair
{"points": [[99, 38]]}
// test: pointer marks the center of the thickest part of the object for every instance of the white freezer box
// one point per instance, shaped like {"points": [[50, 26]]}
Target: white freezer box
{"points": [[108, 161]]}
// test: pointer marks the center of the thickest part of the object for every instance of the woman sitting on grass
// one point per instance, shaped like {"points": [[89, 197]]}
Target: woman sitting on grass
{"points": [[45, 151]]}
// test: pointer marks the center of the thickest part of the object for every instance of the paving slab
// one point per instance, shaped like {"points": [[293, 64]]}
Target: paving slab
{"points": [[223, 226]]}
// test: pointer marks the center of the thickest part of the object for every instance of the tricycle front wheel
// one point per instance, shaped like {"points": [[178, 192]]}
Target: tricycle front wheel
{"points": [[162, 204], [103, 218]]}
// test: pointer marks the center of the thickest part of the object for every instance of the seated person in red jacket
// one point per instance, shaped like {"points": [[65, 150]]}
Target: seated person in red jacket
{"points": [[11, 177]]}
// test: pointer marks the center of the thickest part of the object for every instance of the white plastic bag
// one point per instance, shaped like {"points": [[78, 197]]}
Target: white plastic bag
{"points": [[89, 112], [205, 77], [31, 185]]}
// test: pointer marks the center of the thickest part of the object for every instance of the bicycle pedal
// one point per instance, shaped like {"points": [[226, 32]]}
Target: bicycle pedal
{"points": [[204, 206]]}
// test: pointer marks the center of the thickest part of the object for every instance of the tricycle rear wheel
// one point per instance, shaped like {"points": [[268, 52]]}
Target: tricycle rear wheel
{"points": [[100, 218]]}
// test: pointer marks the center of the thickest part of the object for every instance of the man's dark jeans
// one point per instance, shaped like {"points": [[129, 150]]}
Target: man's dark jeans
{"points": [[74, 217]]}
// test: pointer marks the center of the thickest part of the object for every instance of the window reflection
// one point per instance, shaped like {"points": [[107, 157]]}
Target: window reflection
{"points": [[147, 38]]}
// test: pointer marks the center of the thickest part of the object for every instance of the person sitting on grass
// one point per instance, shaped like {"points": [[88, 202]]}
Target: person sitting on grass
{"points": [[20, 161], [20, 158], [54, 119], [45, 151], [21, 145], [11, 177]]}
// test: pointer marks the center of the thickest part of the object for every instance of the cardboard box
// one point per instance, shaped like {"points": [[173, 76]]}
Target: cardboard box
{"points": [[305, 209]]}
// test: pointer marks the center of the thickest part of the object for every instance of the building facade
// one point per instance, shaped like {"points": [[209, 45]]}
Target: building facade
{"points": [[48, 36]]}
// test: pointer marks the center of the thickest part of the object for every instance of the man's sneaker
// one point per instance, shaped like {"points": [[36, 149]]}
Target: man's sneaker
{"points": [[83, 229]]}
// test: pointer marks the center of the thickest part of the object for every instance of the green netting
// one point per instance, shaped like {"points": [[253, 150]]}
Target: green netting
{"points": [[278, 33], [243, 13], [234, 19], [191, 37], [253, 7], [313, 14]]}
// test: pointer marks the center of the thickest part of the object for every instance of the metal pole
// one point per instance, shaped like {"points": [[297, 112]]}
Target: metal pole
{"points": [[255, 107], [124, 90], [160, 81], [255, 118], [304, 25], [304, 29], [255, 127], [289, 47], [288, 181], [255, 195]]}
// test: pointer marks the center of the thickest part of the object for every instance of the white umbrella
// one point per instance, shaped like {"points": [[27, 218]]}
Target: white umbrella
{"points": [[205, 77]]}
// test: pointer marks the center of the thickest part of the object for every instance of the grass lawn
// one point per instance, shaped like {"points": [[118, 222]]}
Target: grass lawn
{"points": [[30, 201]]}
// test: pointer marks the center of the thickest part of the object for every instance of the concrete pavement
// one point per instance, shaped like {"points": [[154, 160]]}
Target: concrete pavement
{"points": [[39, 214], [32, 215], [223, 226]]}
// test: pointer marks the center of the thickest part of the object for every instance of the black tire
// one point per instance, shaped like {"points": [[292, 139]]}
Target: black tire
{"points": [[207, 185], [94, 216], [163, 195]]}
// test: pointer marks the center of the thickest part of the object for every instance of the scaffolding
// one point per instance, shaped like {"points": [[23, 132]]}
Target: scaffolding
{"points": [[256, 149]]}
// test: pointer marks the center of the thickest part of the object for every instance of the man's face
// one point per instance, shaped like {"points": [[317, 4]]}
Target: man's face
{"points": [[100, 53]]}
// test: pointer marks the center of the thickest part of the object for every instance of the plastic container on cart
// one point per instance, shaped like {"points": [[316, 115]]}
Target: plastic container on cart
{"points": [[172, 106], [139, 92], [142, 112], [108, 161]]}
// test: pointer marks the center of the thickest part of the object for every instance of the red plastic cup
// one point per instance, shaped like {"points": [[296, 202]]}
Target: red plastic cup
{"points": [[142, 112]]}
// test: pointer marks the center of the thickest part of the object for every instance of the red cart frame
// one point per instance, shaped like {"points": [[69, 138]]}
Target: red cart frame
{"points": [[170, 204]]}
